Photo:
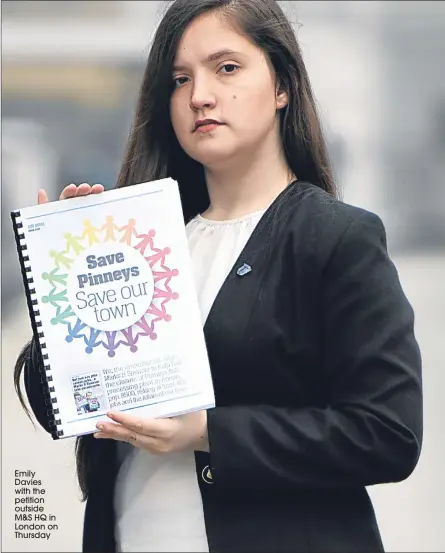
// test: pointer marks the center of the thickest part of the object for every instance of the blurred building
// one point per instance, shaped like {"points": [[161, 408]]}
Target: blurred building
{"points": [[71, 71]]}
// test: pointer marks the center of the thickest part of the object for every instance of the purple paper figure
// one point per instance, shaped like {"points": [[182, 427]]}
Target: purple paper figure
{"points": [[130, 339], [147, 328], [111, 344]]}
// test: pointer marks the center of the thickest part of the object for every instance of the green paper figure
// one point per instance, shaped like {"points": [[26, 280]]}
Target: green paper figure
{"points": [[61, 259], [73, 243], [53, 298], [53, 278], [61, 316]]}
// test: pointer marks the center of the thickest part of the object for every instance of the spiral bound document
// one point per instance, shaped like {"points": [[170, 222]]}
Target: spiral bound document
{"points": [[113, 307]]}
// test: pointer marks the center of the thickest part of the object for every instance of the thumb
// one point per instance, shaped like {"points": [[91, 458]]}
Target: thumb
{"points": [[42, 197]]}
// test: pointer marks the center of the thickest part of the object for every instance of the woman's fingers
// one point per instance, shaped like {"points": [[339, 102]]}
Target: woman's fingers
{"points": [[122, 434], [72, 191], [149, 427], [118, 432], [83, 190], [68, 192], [42, 197], [97, 188]]}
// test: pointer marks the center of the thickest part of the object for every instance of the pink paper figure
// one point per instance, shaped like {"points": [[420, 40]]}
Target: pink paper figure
{"points": [[159, 256], [166, 274], [129, 231], [165, 295], [159, 313], [146, 241]]}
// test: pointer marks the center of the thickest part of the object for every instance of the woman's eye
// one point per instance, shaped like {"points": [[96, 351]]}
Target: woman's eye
{"points": [[179, 81], [230, 68]]}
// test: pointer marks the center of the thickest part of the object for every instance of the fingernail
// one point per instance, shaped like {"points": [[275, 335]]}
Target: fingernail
{"points": [[110, 414], [100, 426], [97, 435]]}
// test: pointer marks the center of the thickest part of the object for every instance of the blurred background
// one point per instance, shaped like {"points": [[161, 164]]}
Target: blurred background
{"points": [[70, 75]]}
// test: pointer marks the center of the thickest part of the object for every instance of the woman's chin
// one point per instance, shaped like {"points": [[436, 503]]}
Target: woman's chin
{"points": [[214, 155]]}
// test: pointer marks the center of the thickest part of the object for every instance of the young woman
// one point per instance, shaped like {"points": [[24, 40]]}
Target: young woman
{"points": [[316, 368]]}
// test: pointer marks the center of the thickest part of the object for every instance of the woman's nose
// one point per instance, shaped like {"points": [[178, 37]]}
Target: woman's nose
{"points": [[202, 97]]}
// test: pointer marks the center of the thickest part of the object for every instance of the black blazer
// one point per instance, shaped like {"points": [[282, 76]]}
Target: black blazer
{"points": [[317, 377]]}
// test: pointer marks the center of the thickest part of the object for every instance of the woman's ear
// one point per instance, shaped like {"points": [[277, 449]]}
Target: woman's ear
{"points": [[282, 97]]}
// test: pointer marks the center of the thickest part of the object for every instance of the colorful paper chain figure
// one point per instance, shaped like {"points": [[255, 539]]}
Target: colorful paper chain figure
{"points": [[61, 259], [129, 231], [73, 243], [159, 314], [61, 316], [111, 345], [131, 340], [162, 277], [54, 298], [92, 341], [146, 242], [158, 257], [91, 233], [54, 279], [74, 331], [109, 228], [147, 328]]}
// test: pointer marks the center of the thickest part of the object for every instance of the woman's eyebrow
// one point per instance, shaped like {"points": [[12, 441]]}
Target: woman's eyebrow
{"points": [[212, 57]]}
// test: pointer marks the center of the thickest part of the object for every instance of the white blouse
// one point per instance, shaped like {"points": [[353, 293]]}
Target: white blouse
{"points": [[157, 499]]}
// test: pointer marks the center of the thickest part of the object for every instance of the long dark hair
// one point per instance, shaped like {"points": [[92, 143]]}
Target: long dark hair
{"points": [[153, 152]]}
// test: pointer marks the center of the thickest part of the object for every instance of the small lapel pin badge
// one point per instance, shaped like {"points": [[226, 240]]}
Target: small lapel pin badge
{"points": [[244, 269]]}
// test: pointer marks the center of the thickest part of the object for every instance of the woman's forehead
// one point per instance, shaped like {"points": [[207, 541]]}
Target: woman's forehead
{"points": [[207, 35]]}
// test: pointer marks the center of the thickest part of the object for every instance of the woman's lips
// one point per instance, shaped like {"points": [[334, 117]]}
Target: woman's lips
{"points": [[208, 127]]}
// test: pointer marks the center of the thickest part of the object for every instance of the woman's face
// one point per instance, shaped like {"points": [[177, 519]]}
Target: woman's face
{"points": [[221, 76]]}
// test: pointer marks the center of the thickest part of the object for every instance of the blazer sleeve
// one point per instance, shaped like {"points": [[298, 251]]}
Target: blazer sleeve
{"points": [[371, 430], [34, 388]]}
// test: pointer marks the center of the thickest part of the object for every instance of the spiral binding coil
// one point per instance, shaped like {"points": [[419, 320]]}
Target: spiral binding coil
{"points": [[36, 323]]}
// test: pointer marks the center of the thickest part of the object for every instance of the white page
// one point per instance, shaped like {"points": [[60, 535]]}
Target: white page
{"points": [[122, 332]]}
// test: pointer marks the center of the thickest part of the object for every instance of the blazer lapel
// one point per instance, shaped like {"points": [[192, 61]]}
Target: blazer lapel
{"points": [[231, 310]]}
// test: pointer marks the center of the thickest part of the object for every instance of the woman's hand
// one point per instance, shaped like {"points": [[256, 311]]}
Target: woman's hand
{"points": [[158, 435], [72, 191]]}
